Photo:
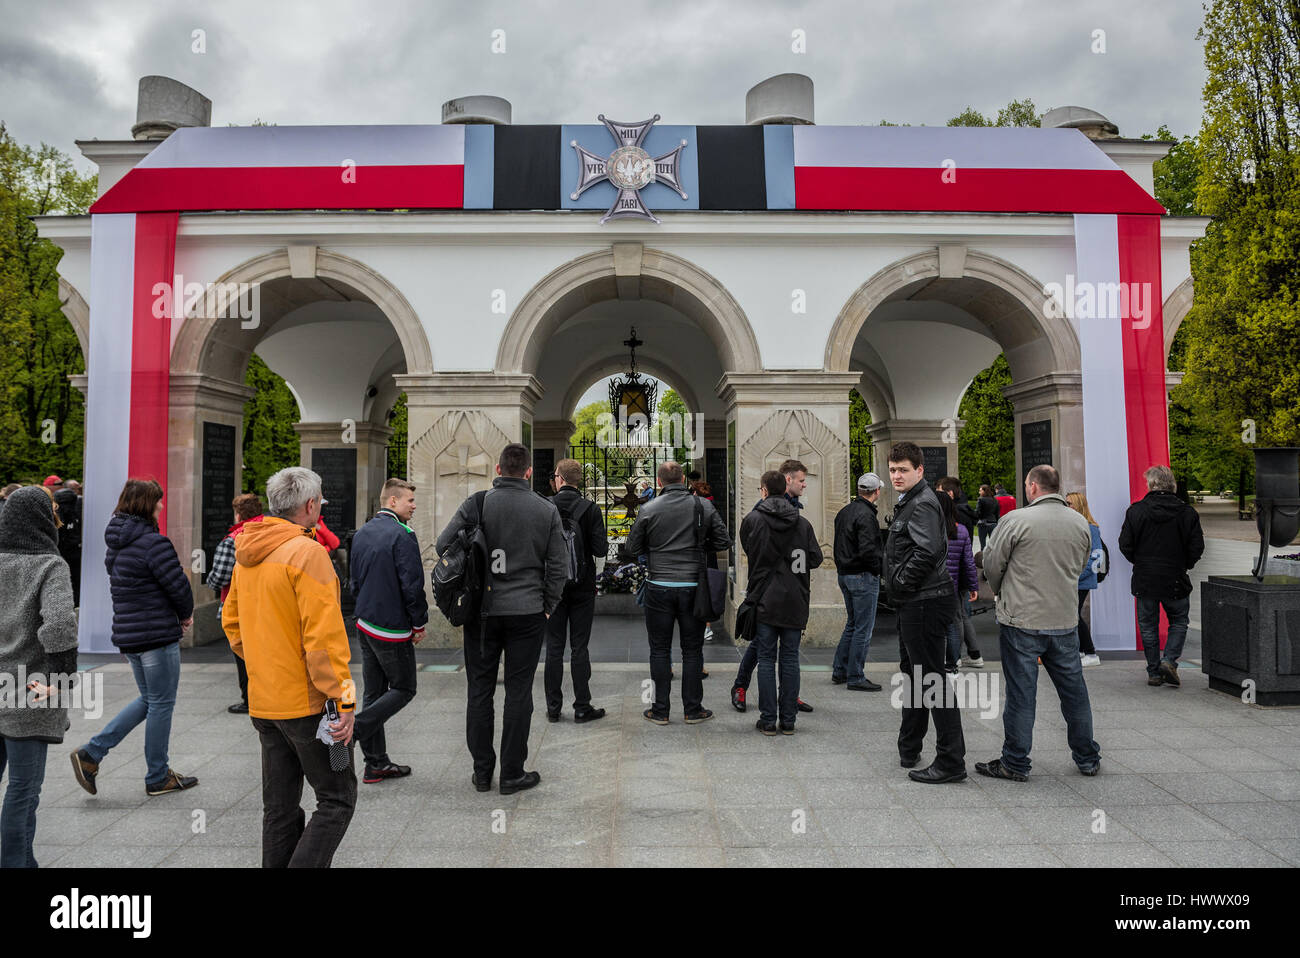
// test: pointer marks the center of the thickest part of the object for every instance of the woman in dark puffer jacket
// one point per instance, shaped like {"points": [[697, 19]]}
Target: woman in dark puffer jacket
{"points": [[152, 606]]}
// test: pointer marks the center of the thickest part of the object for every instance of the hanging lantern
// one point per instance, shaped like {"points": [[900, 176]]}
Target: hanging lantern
{"points": [[632, 397]]}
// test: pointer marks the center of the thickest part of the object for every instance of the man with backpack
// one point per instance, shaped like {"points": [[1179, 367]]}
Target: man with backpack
{"points": [[517, 536], [584, 540]]}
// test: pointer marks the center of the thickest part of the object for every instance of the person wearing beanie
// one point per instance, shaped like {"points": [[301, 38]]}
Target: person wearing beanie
{"points": [[38, 644]]}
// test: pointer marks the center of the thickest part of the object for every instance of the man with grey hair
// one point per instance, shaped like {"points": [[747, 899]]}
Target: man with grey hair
{"points": [[1162, 537], [282, 617], [1033, 564]]}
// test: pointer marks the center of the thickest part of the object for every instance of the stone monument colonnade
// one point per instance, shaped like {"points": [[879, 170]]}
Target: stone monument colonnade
{"points": [[496, 316]]}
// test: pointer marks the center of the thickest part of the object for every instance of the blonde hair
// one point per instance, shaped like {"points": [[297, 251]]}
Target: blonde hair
{"points": [[1079, 503], [54, 506]]}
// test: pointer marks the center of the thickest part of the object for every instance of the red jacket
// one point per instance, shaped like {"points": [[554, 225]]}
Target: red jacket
{"points": [[326, 538], [1005, 505]]}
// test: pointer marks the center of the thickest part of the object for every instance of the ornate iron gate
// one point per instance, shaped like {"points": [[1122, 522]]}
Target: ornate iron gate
{"points": [[612, 477]]}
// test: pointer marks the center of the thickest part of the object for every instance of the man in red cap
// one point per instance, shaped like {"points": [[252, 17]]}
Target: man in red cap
{"points": [[52, 481]]}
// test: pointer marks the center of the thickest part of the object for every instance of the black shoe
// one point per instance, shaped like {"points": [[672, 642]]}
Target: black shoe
{"points": [[552, 716], [512, 785], [1155, 680], [588, 715], [838, 679], [908, 762], [239, 708], [933, 776], [995, 769], [695, 718], [649, 715], [767, 728], [172, 783], [373, 776], [866, 685], [786, 729], [738, 698], [481, 784], [1169, 672], [803, 706], [704, 673], [1091, 769]]}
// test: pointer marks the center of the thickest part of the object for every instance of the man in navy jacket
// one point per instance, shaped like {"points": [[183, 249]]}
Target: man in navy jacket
{"points": [[392, 612]]}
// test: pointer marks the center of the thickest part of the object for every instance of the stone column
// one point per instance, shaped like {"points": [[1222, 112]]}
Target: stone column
{"points": [[195, 399], [938, 438], [458, 423], [793, 415], [1057, 400], [371, 444]]}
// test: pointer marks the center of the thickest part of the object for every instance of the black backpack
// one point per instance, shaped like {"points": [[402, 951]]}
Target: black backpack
{"points": [[458, 578], [575, 560]]}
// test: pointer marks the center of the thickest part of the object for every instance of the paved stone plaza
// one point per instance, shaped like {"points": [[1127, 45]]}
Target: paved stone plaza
{"points": [[1189, 777]]}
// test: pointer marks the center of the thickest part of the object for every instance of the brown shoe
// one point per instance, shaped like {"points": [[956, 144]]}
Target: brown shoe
{"points": [[85, 770], [1155, 680], [1169, 672], [172, 783]]}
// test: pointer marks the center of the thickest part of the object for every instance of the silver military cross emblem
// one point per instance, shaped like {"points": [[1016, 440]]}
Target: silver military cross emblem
{"points": [[629, 168]]}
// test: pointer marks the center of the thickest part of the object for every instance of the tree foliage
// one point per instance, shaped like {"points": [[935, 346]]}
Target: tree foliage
{"points": [[860, 451], [42, 416], [1015, 113], [986, 451], [1242, 357], [270, 442]]}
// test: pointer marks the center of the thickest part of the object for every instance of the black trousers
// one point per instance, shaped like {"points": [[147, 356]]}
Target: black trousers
{"points": [[923, 628], [665, 607], [242, 671], [388, 669], [519, 638], [573, 616], [290, 752], [1085, 633]]}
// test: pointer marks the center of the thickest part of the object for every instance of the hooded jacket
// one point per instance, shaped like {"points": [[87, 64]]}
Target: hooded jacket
{"points": [[38, 628], [1162, 537], [782, 550], [961, 563], [282, 617], [151, 595]]}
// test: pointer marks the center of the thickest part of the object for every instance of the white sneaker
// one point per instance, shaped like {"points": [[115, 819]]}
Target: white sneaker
{"points": [[708, 633], [1089, 660], [977, 663]]}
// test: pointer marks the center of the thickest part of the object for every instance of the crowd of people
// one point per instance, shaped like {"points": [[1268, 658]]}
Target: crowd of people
{"points": [[280, 610]]}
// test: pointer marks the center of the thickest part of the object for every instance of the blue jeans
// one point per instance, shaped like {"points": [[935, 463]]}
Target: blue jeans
{"points": [[767, 638], [157, 673], [861, 590], [1148, 616], [26, 761], [1021, 650]]}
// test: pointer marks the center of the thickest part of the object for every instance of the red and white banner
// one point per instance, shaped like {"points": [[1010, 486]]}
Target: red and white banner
{"points": [[959, 169], [1116, 308]]}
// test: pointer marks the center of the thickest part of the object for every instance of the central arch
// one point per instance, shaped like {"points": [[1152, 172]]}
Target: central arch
{"points": [[627, 274]]}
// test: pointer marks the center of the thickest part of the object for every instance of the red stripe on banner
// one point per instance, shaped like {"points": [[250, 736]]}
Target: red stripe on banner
{"points": [[151, 340], [1145, 409], [972, 190], [286, 188]]}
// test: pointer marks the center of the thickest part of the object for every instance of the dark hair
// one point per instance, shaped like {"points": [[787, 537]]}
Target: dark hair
{"points": [[247, 506], [907, 452], [1046, 478], [774, 482], [791, 466], [986, 490], [950, 484], [670, 472], [949, 509], [514, 461], [139, 498], [693, 475]]}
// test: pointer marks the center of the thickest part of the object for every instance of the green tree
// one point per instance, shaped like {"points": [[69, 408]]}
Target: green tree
{"points": [[42, 416], [399, 423], [670, 403], [1175, 175], [1015, 113], [1244, 327], [860, 453], [987, 448], [270, 442]]}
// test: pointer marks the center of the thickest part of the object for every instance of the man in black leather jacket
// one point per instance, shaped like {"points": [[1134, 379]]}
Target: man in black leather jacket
{"points": [[916, 577]]}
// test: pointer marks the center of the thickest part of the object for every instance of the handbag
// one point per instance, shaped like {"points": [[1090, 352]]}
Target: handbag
{"points": [[710, 583]]}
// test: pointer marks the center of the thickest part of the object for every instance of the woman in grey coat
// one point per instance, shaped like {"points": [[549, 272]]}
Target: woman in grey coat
{"points": [[38, 641]]}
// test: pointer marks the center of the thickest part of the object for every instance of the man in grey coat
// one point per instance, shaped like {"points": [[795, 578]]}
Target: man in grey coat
{"points": [[1032, 562], [524, 582]]}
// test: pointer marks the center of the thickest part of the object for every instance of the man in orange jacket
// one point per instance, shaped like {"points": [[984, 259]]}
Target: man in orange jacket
{"points": [[282, 616]]}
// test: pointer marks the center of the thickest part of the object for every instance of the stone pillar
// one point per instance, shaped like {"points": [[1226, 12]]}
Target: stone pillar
{"points": [[938, 439], [196, 399], [371, 444], [793, 415], [458, 423], [1057, 401]]}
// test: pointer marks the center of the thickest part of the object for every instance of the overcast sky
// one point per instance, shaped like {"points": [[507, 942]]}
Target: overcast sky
{"points": [[69, 70]]}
